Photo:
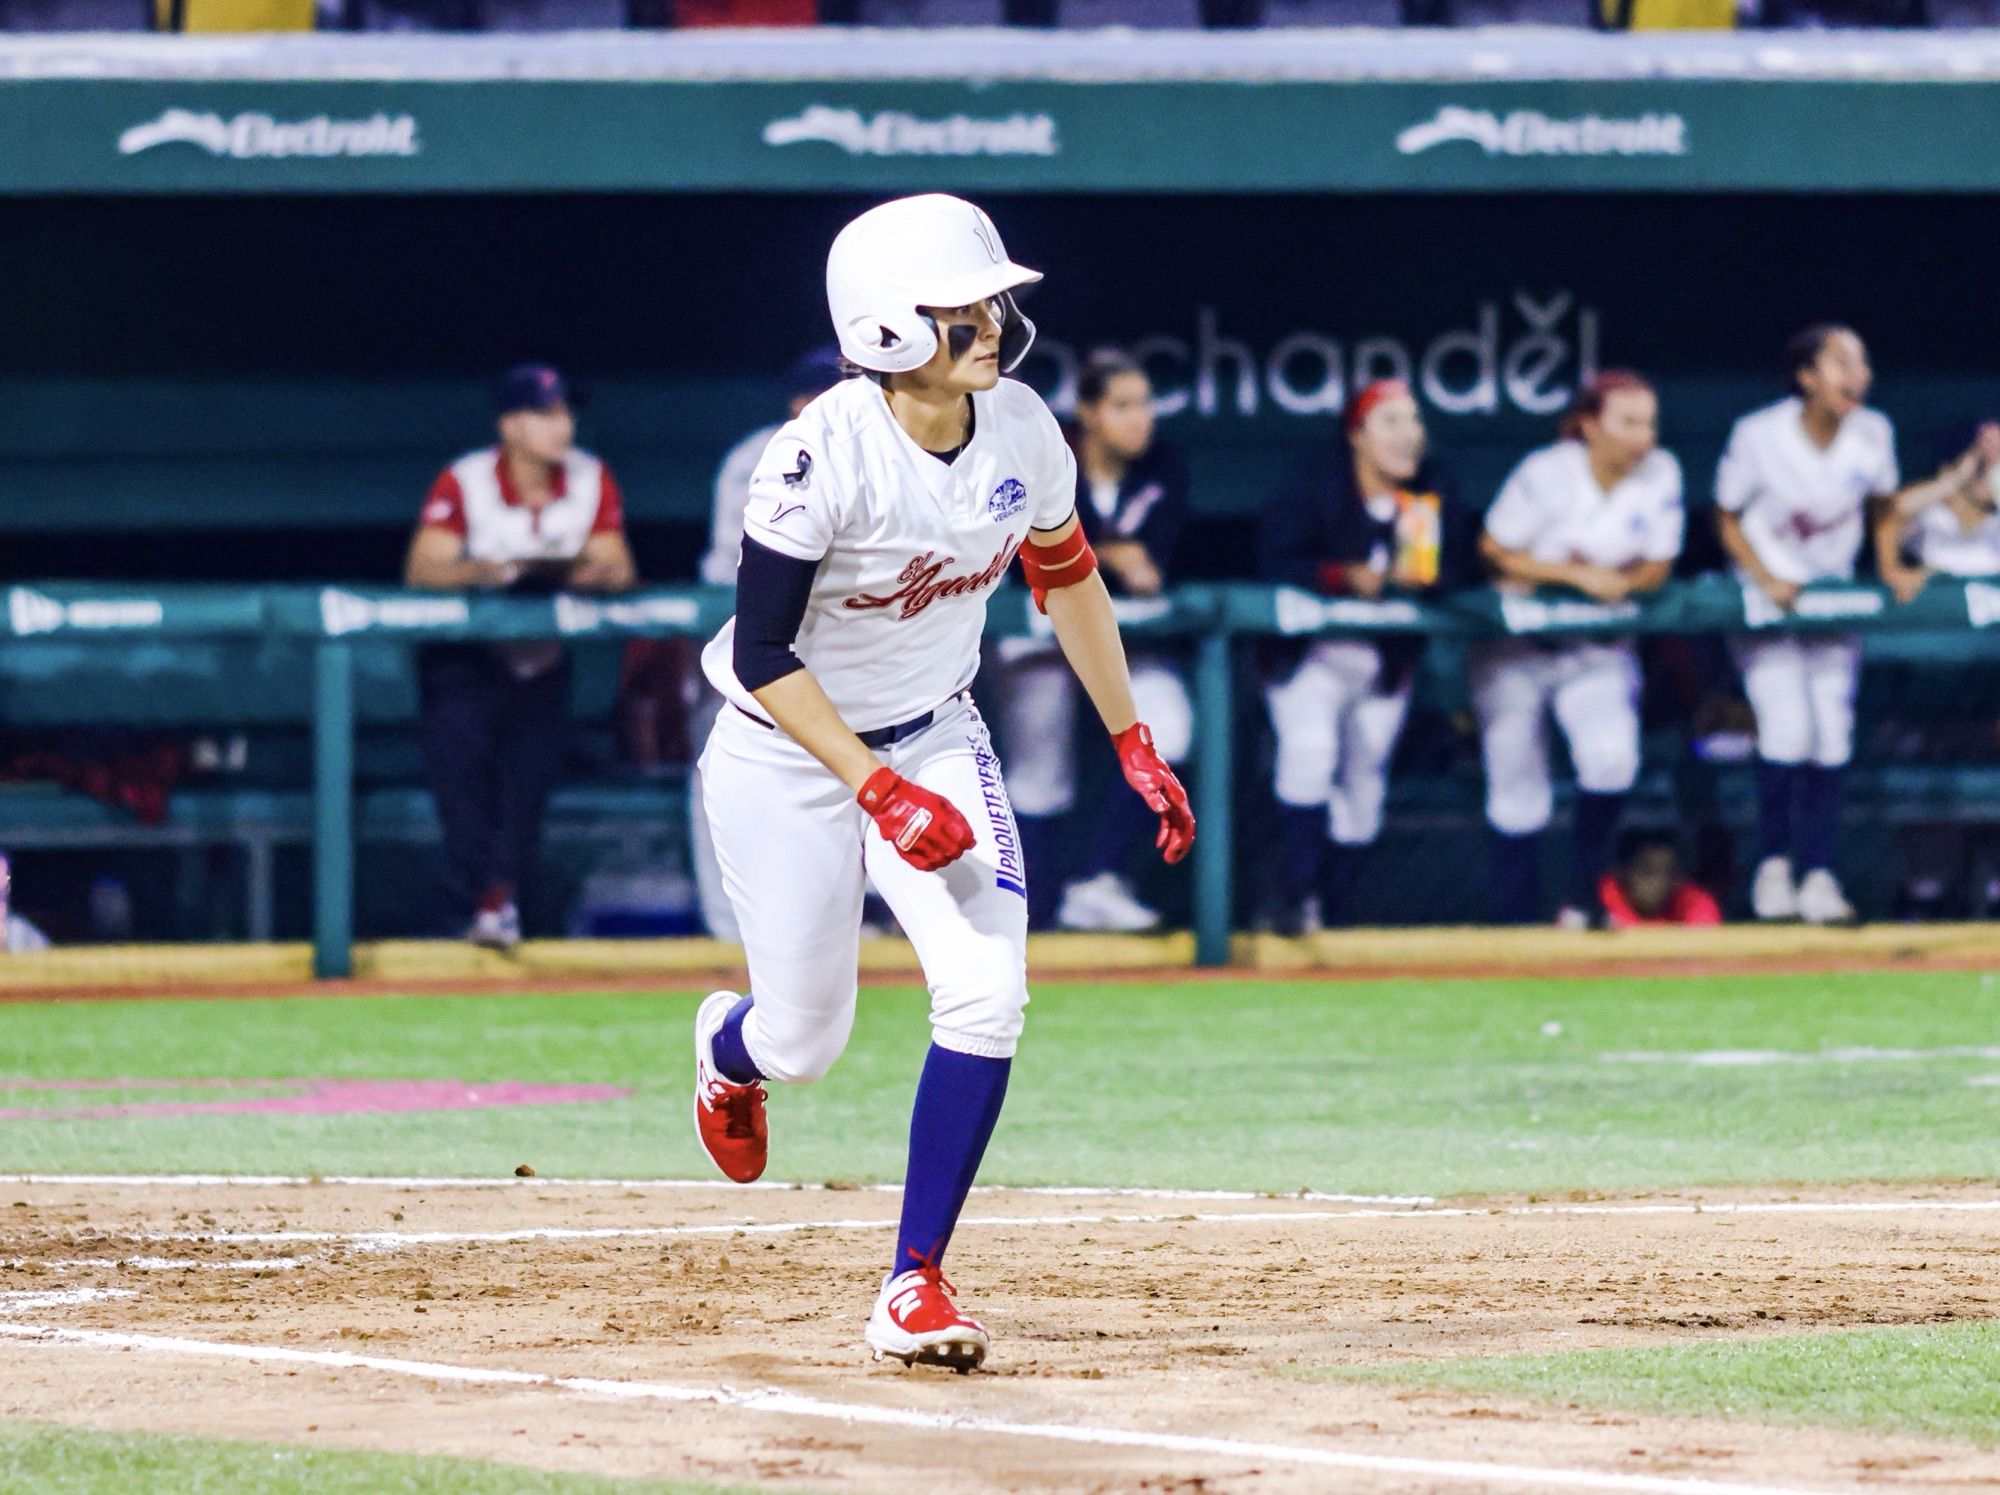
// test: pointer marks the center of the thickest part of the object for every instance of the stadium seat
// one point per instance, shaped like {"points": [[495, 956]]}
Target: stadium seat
{"points": [[1669, 15], [1840, 14], [234, 15], [1502, 12], [74, 15]]}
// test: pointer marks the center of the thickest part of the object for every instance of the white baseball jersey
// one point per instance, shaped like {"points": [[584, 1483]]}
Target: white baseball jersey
{"points": [[908, 546], [732, 499], [1801, 508], [1552, 507], [474, 498], [1938, 540]]}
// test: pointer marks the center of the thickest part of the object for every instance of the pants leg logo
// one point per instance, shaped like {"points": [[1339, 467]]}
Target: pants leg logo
{"points": [[1009, 870]]}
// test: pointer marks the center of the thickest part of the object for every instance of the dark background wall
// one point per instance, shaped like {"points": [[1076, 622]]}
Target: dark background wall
{"points": [[187, 384]]}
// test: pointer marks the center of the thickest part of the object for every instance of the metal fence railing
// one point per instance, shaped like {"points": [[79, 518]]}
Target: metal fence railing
{"points": [[331, 620]]}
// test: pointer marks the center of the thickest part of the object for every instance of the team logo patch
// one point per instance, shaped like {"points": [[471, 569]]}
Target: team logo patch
{"points": [[1008, 499]]}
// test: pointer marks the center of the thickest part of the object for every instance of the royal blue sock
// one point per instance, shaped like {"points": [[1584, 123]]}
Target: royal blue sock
{"points": [[1338, 875], [1302, 845], [1818, 815], [1776, 785], [958, 1101], [1517, 877], [732, 1059], [1595, 823]]}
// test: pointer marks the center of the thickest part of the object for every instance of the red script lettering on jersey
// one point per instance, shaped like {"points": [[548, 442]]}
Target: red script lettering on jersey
{"points": [[921, 584]]}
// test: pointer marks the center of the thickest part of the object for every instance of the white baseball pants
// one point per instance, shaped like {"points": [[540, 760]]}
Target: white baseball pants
{"points": [[1038, 724], [1336, 732], [795, 849], [1802, 690], [716, 913], [1591, 689]]}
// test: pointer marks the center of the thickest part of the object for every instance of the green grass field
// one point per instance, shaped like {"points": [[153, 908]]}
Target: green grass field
{"points": [[1941, 1382], [1435, 1087], [37, 1459]]}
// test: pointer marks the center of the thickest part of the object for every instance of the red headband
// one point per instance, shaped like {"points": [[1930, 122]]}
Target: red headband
{"points": [[1363, 404]]}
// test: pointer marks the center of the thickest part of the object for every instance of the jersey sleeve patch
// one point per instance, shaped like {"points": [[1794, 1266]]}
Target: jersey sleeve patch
{"points": [[792, 507]]}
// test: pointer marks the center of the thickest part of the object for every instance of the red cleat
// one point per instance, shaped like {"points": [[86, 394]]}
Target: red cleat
{"points": [[916, 1322], [729, 1118]]}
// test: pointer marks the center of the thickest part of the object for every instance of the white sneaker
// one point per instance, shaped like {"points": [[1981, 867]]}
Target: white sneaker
{"points": [[1570, 917], [1772, 895], [496, 928], [1821, 901], [1103, 904]]}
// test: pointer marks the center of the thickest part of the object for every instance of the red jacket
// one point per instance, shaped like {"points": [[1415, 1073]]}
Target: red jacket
{"points": [[1691, 904]]}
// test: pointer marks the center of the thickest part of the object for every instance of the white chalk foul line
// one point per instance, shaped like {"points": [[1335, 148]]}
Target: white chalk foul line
{"points": [[66, 1297], [156, 1264], [792, 1404], [402, 1240], [283, 1180], [1753, 1058]]}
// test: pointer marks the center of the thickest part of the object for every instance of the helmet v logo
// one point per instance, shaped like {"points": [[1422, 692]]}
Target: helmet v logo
{"points": [[982, 229]]}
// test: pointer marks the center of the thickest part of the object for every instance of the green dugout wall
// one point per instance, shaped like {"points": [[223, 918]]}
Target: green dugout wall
{"points": [[257, 284]]}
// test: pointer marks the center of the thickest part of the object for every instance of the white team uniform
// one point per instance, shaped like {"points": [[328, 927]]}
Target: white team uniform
{"points": [[908, 548], [1936, 539], [1552, 507], [1337, 720], [1802, 512], [718, 569]]}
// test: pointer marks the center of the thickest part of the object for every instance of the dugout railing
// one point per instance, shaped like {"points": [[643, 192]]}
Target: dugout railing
{"points": [[329, 621]]}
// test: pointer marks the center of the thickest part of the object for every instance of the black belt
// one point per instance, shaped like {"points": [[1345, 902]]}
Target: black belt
{"points": [[880, 737]]}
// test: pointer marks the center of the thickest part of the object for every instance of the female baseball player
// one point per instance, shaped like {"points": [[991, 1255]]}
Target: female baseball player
{"points": [[1950, 524], [1790, 494], [1600, 512], [1131, 498], [1363, 521], [878, 520]]}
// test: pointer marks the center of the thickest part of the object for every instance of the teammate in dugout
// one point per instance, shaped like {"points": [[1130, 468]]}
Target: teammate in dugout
{"points": [[1790, 493], [535, 513], [1599, 512], [878, 522], [1947, 526], [1370, 519], [1131, 495]]}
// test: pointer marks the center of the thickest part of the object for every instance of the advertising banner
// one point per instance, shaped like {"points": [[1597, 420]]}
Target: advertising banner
{"points": [[1641, 135]]}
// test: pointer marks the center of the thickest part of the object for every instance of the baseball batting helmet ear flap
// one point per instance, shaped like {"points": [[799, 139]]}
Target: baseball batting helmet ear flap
{"points": [[1017, 334], [933, 250]]}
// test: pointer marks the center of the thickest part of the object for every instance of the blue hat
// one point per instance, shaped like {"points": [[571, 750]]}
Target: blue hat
{"points": [[529, 386], [815, 373]]}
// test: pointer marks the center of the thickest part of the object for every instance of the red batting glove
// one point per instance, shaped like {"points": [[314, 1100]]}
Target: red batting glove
{"points": [[1147, 772], [925, 828]]}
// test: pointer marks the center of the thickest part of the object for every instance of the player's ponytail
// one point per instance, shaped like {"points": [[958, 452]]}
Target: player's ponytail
{"points": [[1593, 394]]}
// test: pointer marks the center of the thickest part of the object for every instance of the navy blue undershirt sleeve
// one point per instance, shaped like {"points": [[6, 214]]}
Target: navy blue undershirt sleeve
{"points": [[771, 595]]}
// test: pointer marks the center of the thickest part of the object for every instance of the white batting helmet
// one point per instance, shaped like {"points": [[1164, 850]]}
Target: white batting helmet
{"points": [[933, 250]]}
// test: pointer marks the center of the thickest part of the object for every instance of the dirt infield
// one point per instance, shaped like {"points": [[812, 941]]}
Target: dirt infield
{"points": [[1141, 1317]]}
